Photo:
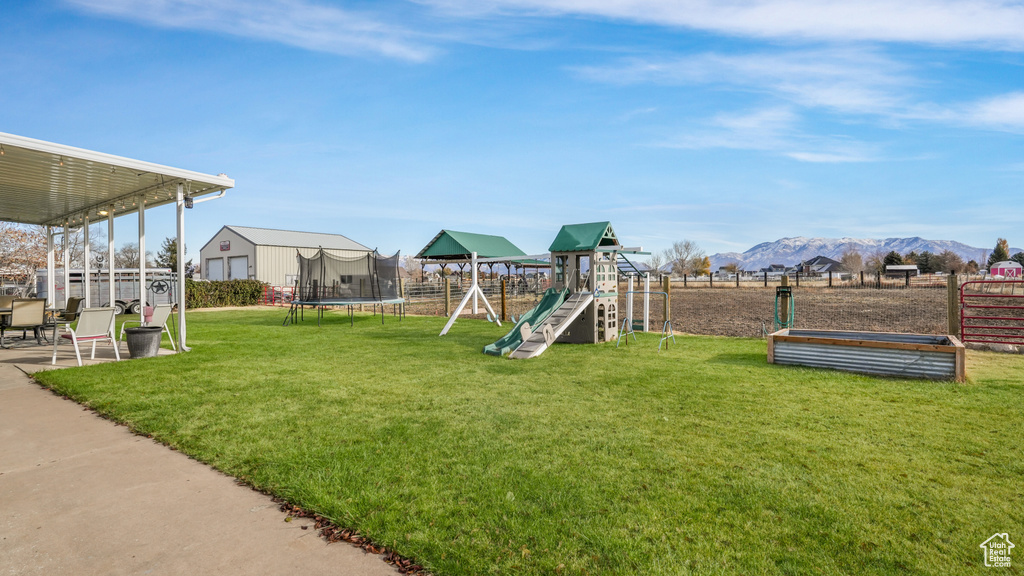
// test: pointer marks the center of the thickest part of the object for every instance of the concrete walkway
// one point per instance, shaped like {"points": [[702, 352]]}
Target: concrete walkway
{"points": [[80, 495]]}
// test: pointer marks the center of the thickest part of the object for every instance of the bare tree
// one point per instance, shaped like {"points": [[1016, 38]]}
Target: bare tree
{"points": [[875, 262], [127, 256], [687, 258], [22, 252], [413, 266], [851, 261], [655, 262]]}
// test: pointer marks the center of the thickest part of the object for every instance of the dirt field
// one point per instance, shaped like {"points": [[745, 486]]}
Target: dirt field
{"points": [[743, 312]]}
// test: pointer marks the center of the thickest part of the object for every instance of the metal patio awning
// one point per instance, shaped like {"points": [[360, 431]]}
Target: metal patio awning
{"points": [[60, 186], [51, 184]]}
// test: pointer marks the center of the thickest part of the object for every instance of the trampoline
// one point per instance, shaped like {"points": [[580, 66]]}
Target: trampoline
{"points": [[328, 281]]}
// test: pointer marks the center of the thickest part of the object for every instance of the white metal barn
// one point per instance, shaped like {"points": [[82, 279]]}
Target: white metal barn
{"points": [[240, 252]]}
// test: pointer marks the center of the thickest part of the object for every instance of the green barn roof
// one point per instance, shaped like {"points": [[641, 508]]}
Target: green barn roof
{"points": [[584, 237], [452, 245]]}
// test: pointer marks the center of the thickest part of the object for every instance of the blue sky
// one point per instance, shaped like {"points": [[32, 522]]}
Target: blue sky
{"points": [[728, 124]]}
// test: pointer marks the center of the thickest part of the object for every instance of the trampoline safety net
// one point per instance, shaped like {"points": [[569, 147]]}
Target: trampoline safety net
{"points": [[325, 277]]}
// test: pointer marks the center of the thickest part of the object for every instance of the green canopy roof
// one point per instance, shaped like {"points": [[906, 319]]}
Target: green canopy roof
{"points": [[452, 245], [584, 237]]}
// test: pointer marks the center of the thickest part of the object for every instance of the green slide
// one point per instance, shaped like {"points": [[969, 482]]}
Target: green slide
{"points": [[549, 303]]}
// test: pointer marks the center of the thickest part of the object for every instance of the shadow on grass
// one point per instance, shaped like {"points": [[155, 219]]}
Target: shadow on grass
{"points": [[739, 359]]}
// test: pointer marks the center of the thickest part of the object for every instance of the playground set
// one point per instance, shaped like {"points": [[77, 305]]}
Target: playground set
{"points": [[581, 307]]}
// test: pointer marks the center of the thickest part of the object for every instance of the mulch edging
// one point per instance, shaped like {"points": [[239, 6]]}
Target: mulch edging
{"points": [[332, 533]]}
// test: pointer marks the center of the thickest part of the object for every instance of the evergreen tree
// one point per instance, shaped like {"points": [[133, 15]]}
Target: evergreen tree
{"points": [[167, 257], [1001, 252], [1018, 258], [892, 259], [926, 262], [948, 261]]}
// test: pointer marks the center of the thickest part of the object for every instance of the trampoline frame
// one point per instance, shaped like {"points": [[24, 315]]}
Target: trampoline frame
{"points": [[297, 311]]}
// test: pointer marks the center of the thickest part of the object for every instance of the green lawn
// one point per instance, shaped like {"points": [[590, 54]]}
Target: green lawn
{"points": [[702, 459]]}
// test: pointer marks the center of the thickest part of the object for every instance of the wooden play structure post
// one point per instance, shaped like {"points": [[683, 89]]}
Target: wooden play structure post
{"points": [[504, 306], [447, 296], [666, 287]]}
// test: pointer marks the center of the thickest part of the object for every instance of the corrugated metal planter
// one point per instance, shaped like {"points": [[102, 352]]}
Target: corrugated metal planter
{"points": [[881, 353]]}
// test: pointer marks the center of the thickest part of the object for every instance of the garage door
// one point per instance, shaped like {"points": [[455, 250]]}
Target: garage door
{"points": [[214, 269], [238, 268]]}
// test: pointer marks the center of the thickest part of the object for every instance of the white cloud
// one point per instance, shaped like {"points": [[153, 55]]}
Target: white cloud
{"points": [[995, 23], [774, 130], [1004, 112], [294, 22], [846, 80]]}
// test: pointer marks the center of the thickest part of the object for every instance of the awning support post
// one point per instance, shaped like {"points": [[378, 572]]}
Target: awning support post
{"points": [[181, 269], [112, 297], [51, 269], [142, 259], [67, 261], [86, 271]]}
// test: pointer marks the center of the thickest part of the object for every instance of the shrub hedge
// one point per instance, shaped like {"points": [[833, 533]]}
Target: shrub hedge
{"points": [[222, 293]]}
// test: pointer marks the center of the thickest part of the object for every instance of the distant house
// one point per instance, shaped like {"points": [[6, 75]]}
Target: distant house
{"points": [[772, 270], [817, 266], [241, 252]]}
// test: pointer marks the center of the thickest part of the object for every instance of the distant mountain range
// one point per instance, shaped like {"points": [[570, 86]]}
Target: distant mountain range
{"points": [[790, 251]]}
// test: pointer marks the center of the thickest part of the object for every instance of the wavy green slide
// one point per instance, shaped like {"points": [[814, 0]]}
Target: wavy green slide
{"points": [[552, 299]]}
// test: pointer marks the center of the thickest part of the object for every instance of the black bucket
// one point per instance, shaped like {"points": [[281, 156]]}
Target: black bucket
{"points": [[144, 341]]}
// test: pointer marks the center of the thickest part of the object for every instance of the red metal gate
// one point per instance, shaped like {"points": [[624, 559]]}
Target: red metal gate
{"points": [[989, 314]]}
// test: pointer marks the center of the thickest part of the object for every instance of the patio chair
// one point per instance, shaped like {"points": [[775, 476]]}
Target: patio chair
{"points": [[94, 325], [161, 312], [26, 313], [5, 304], [70, 313]]}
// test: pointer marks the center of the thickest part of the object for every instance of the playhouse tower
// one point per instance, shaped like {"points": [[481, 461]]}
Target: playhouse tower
{"points": [[583, 259]]}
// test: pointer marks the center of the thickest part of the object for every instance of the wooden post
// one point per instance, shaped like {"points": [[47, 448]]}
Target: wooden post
{"points": [[737, 277], [765, 279], [952, 304], [829, 279], [684, 280], [878, 280], [447, 296], [504, 309], [907, 273], [798, 277], [862, 278], [711, 279], [666, 286]]}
